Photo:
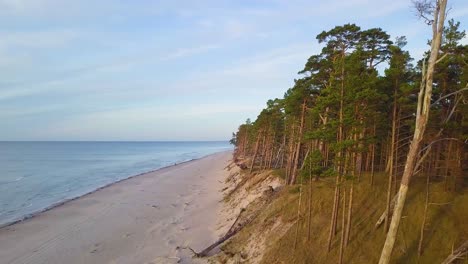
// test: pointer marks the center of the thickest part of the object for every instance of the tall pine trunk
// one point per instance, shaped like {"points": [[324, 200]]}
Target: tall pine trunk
{"points": [[255, 152], [391, 158], [298, 145]]}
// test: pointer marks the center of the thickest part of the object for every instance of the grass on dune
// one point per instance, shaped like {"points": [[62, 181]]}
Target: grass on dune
{"points": [[446, 224]]}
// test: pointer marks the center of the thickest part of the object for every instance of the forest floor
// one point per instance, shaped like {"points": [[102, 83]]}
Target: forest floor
{"points": [[278, 234]]}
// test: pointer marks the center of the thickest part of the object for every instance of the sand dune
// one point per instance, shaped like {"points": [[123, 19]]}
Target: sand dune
{"points": [[140, 220]]}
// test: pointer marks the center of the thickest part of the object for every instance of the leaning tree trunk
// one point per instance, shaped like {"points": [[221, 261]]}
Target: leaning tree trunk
{"points": [[422, 115]]}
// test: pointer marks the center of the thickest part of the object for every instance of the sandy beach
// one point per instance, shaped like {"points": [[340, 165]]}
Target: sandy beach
{"points": [[140, 220]]}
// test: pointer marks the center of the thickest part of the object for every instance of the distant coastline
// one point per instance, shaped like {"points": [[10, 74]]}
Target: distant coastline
{"points": [[31, 215], [144, 218], [54, 173]]}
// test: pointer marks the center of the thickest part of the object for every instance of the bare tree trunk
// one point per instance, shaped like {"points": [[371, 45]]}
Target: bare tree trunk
{"points": [[255, 153], [447, 164], [458, 169], [264, 148], [359, 156], [290, 154], [350, 211], [368, 157], [397, 153], [298, 214], [383, 157], [391, 158], [322, 147], [372, 159], [284, 151], [270, 150], [422, 115], [343, 223], [279, 157], [423, 224], [244, 143], [310, 200], [298, 144], [333, 219]]}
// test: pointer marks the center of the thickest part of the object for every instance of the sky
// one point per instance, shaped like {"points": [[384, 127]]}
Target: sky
{"points": [[167, 70]]}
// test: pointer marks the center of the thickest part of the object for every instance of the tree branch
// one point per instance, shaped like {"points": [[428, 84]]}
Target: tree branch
{"points": [[450, 94], [441, 58], [427, 150]]}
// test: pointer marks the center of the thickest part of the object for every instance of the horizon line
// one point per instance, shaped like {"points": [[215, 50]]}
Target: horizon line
{"points": [[227, 140]]}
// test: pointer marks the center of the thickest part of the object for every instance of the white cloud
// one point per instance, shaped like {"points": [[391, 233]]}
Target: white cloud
{"points": [[267, 62], [115, 54], [63, 79]]}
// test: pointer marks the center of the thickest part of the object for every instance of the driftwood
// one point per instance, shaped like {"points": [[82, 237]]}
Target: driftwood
{"points": [[384, 214], [457, 254], [228, 235], [236, 227], [245, 217]]}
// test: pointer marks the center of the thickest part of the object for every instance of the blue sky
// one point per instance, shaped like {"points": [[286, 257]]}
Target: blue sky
{"points": [[166, 70]]}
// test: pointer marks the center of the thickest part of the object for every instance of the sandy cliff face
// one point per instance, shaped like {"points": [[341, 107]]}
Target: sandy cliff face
{"points": [[245, 197]]}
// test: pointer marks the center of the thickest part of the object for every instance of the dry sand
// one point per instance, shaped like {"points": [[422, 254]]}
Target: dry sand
{"points": [[139, 220]]}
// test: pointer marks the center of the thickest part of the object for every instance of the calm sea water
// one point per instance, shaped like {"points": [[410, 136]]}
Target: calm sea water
{"points": [[37, 175]]}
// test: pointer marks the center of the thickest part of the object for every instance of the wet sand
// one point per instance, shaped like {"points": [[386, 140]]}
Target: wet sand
{"points": [[140, 220]]}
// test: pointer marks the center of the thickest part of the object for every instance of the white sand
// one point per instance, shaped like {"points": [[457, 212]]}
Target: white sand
{"points": [[139, 220]]}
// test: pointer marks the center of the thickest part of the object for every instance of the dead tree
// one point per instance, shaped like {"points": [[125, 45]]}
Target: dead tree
{"points": [[422, 116]]}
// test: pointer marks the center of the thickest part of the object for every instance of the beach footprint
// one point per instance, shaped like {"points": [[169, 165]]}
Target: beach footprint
{"points": [[96, 248]]}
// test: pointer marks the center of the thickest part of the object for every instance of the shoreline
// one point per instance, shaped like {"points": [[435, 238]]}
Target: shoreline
{"points": [[58, 204], [145, 219]]}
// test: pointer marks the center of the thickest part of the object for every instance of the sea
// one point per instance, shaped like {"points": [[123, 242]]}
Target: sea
{"points": [[35, 176]]}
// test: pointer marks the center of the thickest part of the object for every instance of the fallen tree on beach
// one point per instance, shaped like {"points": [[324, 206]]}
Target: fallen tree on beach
{"points": [[244, 218]]}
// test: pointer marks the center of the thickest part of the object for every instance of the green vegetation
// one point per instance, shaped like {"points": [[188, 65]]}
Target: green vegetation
{"points": [[366, 133], [445, 225]]}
